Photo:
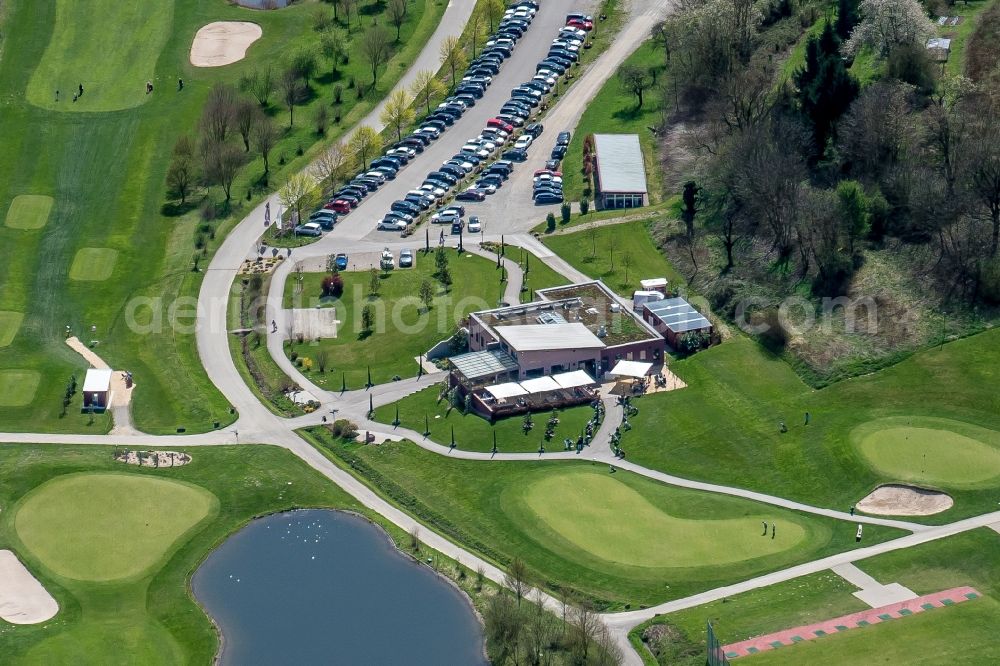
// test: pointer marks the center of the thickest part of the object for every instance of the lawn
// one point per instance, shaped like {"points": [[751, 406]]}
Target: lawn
{"points": [[104, 172], [474, 433], [537, 273], [619, 254], [742, 391], [615, 111], [66, 523], [578, 527], [77, 519], [402, 329], [963, 634]]}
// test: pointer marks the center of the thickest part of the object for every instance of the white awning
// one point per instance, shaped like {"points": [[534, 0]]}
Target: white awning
{"points": [[97, 380], [631, 369], [508, 390], [540, 385], [573, 379]]}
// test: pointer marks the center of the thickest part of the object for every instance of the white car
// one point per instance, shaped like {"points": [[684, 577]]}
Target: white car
{"points": [[485, 143], [489, 188], [523, 142], [409, 153], [377, 175], [495, 135], [391, 224], [547, 178], [475, 226], [576, 32], [432, 132], [436, 191]]}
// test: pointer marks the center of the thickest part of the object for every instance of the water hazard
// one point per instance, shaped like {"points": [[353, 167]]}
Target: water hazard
{"points": [[325, 587]]}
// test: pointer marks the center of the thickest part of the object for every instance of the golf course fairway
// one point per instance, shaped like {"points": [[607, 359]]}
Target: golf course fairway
{"points": [[102, 527], [930, 450], [609, 519]]}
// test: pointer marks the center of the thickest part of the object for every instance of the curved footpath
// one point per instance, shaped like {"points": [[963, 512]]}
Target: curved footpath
{"points": [[257, 425]]}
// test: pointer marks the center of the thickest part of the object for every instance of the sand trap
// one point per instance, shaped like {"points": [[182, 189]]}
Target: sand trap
{"points": [[23, 600], [153, 458], [223, 43], [314, 323], [898, 500]]}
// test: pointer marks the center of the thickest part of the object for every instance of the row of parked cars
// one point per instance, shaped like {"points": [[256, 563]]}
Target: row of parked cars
{"points": [[476, 151]]}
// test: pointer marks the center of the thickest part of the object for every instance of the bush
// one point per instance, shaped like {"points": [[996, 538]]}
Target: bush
{"points": [[989, 282], [338, 94], [774, 336], [333, 285], [343, 428], [565, 211], [550, 222], [584, 206]]}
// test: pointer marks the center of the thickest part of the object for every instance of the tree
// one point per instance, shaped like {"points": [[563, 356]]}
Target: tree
{"points": [[440, 259], [364, 144], [426, 88], [444, 277], [259, 84], [626, 263], [398, 112], [322, 357], [426, 293], [292, 92], [333, 45], [331, 164], [848, 16], [984, 181], [825, 88], [586, 627], [219, 112], [374, 283], [852, 210], [297, 193], [550, 222], [181, 173], [395, 11], [375, 47], [888, 23], [247, 115], [265, 136], [452, 57], [304, 66], [475, 28], [634, 79], [367, 318], [503, 627], [516, 579], [220, 164], [565, 213], [332, 285]]}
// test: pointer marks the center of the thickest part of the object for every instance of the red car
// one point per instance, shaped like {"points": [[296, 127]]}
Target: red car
{"points": [[339, 205], [583, 25], [496, 122], [549, 172]]}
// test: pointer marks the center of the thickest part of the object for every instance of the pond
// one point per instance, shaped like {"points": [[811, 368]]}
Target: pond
{"points": [[264, 4], [326, 587]]}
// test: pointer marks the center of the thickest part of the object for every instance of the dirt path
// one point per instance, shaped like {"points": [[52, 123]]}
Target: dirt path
{"points": [[121, 396]]}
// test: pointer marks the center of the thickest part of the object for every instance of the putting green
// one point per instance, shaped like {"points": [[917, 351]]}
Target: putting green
{"points": [[10, 323], [108, 46], [93, 264], [930, 450], [610, 520], [102, 527], [17, 387], [28, 211]]}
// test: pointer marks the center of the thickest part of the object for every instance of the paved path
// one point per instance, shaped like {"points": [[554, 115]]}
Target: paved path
{"points": [[870, 590], [811, 632]]}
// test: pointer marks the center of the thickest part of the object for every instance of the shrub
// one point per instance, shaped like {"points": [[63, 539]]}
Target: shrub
{"points": [[584, 206], [565, 211], [333, 285], [338, 94], [550, 222]]}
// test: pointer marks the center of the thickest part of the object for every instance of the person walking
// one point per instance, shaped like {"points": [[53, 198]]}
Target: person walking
{"points": [[774, 529], [57, 95], [852, 510], [764, 533], [180, 84], [80, 94]]}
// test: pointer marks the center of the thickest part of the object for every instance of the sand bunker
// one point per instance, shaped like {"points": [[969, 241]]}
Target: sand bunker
{"points": [[153, 458], [23, 600], [223, 43], [898, 500]]}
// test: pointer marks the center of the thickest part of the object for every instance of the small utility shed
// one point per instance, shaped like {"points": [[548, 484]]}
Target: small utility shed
{"points": [[97, 389], [620, 174], [674, 317]]}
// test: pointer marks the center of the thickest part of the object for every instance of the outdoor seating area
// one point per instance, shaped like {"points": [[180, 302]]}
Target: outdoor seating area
{"points": [[558, 391]]}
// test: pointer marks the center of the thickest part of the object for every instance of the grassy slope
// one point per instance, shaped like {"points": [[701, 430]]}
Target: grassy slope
{"points": [[402, 331], [959, 635], [632, 237], [149, 619], [738, 389], [482, 507], [474, 433], [615, 111], [117, 205]]}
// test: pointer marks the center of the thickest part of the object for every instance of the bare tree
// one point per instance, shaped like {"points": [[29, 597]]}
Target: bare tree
{"points": [[475, 28], [182, 170], [452, 56], [587, 627], [333, 44], [265, 137], [221, 163], [504, 625], [292, 92], [395, 11], [259, 84], [375, 47], [426, 88], [219, 112], [516, 578], [331, 164], [247, 115]]}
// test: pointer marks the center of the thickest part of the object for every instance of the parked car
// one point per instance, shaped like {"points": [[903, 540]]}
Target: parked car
{"points": [[340, 206], [496, 122], [309, 229], [405, 207], [486, 188], [523, 142], [471, 194], [544, 198], [391, 224], [457, 226], [387, 261], [515, 155], [559, 152], [324, 218], [475, 225], [340, 261], [405, 258]]}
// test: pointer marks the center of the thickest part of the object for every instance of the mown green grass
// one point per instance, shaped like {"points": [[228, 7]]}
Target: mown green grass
{"points": [[724, 427], [10, 323], [483, 506], [18, 387], [403, 329], [474, 433], [149, 618], [28, 211], [93, 264], [79, 52], [106, 175], [67, 524], [603, 252], [615, 111]]}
